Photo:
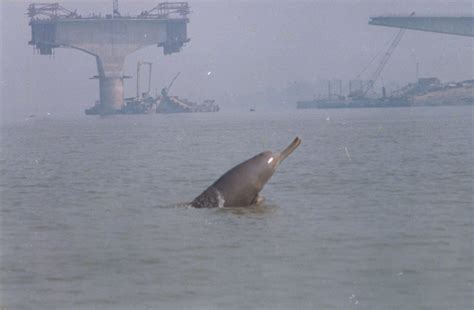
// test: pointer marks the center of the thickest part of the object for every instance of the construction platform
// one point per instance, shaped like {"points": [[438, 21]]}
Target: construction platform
{"points": [[109, 39]]}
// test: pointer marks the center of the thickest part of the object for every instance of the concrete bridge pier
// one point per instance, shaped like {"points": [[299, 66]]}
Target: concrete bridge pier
{"points": [[110, 39], [111, 93], [110, 75]]}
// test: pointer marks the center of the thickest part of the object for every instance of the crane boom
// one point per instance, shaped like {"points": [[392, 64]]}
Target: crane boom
{"points": [[385, 59], [139, 64], [172, 82]]}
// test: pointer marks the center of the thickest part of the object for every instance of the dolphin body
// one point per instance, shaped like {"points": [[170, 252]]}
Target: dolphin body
{"points": [[239, 187]]}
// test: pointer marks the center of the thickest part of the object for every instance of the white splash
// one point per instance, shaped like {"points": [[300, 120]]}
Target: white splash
{"points": [[347, 153], [270, 160], [220, 200]]}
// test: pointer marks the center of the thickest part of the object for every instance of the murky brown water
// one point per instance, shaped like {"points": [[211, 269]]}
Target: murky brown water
{"points": [[89, 217]]}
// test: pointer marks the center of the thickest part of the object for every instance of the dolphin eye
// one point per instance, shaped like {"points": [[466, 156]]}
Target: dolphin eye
{"points": [[270, 160]]}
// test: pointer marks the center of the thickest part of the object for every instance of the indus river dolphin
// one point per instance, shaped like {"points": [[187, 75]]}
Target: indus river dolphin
{"points": [[239, 187]]}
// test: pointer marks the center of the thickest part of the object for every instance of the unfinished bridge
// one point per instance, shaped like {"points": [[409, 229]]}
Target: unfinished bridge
{"points": [[457, 25], [109, 38]]}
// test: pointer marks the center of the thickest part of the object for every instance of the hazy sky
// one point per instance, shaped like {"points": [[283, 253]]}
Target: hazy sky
{"points": [[249, 46]]}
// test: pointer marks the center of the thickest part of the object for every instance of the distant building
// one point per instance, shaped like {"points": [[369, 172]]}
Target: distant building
{"points": [[431, 81]]}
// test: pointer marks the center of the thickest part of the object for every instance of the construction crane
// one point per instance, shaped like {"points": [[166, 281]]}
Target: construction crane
{"points": [[165, 91], [139, 64], [374, 77], [384, 61]]}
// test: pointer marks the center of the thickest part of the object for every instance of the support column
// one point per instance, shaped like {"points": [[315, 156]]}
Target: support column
{"points": [[111, 93], [110, 69]]}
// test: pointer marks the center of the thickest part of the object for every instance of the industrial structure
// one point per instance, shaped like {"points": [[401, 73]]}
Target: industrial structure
{"points": [[426, 91], [109, 38], [362, 93], [359, 97], [146, 103], [457, 25]]}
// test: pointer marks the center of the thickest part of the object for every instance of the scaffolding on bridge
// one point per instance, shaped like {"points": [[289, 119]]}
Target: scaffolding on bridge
{"points": [[49, 11]]}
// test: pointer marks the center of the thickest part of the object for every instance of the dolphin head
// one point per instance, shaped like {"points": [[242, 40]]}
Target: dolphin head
{"points": [[287, 151], [265, 163]]}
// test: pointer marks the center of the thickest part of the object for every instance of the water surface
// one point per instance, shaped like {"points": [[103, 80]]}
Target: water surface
{"points": [[373, 211]]}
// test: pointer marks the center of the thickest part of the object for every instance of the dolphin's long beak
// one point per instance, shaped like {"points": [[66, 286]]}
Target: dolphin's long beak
{"points": [[289, 149]]}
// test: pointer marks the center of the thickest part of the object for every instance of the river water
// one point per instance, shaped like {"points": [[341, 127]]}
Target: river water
{"points": [[373, 211]]}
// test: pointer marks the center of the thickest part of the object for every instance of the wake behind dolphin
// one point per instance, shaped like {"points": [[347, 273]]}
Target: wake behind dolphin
{"points": [[239, 187]]}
